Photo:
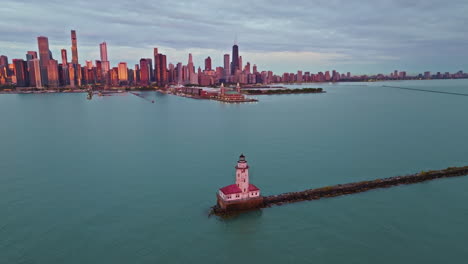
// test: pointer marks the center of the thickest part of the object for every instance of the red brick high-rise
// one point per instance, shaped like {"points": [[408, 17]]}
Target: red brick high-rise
{"points": [[144, 72], [208, 64]]}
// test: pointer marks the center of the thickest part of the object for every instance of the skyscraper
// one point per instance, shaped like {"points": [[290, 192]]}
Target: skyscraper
{"points": [[191, 71], [3, 60], [227, 69], [103, 50], [98, 71], [299, 76], [52, 74], [31, 55], [71, 75], [21, 72], [235, 59], [179, 73], [150, 68], [104, 61], [144, 72], [65, 78], [34, 73], [208, 64], [44, 56], [89, 64], [137, 74], [247, 68], [239, 67], [123, 72], [74, 47], [171, 73], [64, 57], [163, 69], [157, 67]]}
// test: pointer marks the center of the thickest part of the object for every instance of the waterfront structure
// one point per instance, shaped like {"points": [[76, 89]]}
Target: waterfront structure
{"points": [[241, 195], [74, 47], [232, 96]]}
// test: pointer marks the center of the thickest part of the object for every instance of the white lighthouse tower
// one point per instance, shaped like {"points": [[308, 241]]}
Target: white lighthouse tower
{"points": [[242, 176], [242, 194]]}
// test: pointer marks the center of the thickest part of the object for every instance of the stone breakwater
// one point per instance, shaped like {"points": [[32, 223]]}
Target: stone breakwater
{"points": [[356, 187]]}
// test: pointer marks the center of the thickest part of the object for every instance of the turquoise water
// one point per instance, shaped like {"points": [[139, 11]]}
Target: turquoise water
{"points": [[121, 180]]}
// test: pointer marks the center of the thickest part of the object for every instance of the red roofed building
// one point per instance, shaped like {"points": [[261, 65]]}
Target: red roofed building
{"points": [[242, 194]]}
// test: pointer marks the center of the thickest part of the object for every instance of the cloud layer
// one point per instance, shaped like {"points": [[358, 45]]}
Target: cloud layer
{"points": [[362, 37]]}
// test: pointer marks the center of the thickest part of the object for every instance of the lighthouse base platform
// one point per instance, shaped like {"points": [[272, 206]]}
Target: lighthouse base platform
{"points": [[239, 205]]}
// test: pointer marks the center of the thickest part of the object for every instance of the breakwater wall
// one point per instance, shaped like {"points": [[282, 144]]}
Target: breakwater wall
{"points": [[356, 187]]}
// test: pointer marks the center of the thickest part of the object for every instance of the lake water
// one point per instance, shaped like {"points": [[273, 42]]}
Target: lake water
{"points": [[121, 180]]}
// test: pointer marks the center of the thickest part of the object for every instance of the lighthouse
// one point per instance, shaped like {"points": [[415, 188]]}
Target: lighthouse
{"points": [[242, 195]]}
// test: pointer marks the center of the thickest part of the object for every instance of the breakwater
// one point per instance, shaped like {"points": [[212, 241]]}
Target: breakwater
{"points": [[142, 97], [356, 187], [424, 90], [282, 91]]}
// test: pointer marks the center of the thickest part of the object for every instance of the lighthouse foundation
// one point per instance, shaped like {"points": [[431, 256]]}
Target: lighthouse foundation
{"points": [[239, 205]]}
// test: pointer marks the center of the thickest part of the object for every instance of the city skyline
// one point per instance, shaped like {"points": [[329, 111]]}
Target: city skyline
{"points": [[277, 36], [53, 74]]}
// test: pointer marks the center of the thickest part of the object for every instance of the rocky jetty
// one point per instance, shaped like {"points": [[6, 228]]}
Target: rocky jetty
{"points": [[357, 187]]}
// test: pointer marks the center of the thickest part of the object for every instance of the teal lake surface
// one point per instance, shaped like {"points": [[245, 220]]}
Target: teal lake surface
{"points": [[121, 180]]}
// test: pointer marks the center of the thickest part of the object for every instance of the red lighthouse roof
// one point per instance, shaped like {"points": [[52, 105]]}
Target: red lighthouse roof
{"points": [[233, 189]]}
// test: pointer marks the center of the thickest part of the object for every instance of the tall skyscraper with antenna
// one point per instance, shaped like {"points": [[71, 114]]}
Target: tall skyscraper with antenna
{"points": [[235, 59]]}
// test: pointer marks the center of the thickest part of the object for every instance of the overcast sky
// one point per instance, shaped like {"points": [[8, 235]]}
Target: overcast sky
{"points": [[366, 36]]}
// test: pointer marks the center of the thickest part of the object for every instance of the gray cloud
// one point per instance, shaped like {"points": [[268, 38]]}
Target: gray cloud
{"points": [[368, 35]]}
